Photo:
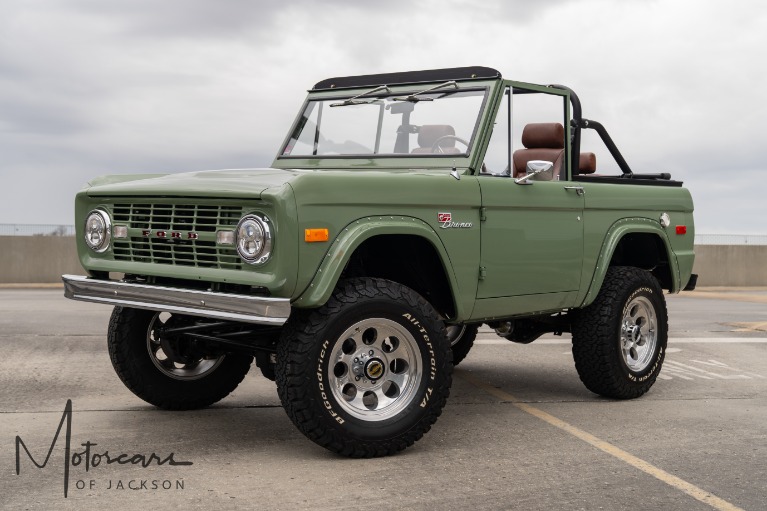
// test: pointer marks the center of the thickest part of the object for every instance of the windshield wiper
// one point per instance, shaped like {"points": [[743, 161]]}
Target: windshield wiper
{"points": [[413, 98], [356, 101]]}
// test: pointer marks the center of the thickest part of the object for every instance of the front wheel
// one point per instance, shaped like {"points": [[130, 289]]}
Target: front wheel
{"points": [[619, 341], [461, 338], [170, 372], [368, 373]]}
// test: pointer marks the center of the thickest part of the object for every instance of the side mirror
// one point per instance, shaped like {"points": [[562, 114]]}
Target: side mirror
{"points": [[544, 169]]}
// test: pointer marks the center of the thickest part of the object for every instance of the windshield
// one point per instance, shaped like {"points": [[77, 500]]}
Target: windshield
{"points": [[427, 123]]}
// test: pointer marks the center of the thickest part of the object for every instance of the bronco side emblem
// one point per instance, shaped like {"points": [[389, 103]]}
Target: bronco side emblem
{"points": [[446, 222]]}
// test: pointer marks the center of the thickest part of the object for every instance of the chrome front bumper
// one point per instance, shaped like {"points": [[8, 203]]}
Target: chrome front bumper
{"points": [[250, 309]]}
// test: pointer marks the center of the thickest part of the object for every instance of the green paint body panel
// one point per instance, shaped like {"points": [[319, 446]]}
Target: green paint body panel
{"points": [[278, 275], [612, 211], [329, 271], [375, 202], [521, 250]]}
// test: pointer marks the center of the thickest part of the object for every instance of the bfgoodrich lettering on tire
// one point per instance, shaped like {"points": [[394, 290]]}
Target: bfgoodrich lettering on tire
{"points": [[619, 341], [368, 373]]}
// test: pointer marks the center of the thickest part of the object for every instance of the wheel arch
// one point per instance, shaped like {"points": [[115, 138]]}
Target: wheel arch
{"points": [[637, 242], [403, 237]]}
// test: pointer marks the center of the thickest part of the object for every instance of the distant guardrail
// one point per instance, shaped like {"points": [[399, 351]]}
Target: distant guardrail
{"points": [[69, 230], [36, 230], [731, 239]]}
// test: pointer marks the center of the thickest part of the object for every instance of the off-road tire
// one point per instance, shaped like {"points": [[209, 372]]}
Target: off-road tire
{"points": [[463, 344], [127, 342], [306, 373], [598, 348]]}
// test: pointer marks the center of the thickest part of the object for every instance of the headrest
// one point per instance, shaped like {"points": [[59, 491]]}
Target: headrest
{"points": [[430, 133], [587, 163], [544, 135]]}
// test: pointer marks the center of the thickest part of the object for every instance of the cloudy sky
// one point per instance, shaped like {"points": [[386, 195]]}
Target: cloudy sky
{"points": [[92, 87]]}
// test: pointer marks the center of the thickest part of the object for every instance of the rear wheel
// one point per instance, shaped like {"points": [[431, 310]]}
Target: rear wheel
{"points": [[619, 341], [170, 372], [368, 373]]}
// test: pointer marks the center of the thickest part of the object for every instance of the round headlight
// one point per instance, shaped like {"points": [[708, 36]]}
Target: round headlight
{"points": [[97, 230], [254, 239]]}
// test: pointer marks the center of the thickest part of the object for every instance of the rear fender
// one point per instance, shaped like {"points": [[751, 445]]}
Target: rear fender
{"points": [[617, 231]]}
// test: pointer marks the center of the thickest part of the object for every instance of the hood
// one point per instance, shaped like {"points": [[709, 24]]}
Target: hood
{"points": [[230, 183]]}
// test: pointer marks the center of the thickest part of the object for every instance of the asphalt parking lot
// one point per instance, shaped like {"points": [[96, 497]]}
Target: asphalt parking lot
{"points": [[519, 432]]}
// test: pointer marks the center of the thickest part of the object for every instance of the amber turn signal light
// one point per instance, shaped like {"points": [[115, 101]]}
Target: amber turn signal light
{"points": [[315, 235]]}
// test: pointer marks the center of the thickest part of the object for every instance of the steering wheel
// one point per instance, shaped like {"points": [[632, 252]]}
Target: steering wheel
{"points": [[436, 148]]}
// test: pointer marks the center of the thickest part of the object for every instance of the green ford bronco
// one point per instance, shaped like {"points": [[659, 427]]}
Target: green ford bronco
{"points": [[402, 211]]}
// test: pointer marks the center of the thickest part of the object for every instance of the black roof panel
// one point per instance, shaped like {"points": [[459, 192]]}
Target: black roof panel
{"points": [[428, 75]]}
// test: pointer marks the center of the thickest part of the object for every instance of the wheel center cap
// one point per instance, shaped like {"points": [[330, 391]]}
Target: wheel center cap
{"points": [[374, 369], [635, 333]]}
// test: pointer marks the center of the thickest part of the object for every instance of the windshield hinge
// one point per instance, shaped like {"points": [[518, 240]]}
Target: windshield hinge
{"points": [[454, 172]]}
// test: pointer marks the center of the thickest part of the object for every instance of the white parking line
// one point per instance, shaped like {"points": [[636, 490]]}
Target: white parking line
{"points": [[719, 340], [707, 373], [722, 365], [493, 339], [672, 368], [669, 372]]}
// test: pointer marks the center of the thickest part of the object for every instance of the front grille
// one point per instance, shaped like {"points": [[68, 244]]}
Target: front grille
{"points": [[202, 220]]}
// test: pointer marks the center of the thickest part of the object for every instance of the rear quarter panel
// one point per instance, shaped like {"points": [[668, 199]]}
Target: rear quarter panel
{"points": [[611, 210]]}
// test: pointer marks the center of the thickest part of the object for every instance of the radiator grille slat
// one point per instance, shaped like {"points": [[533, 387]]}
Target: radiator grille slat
{"points": [[184, 218]]}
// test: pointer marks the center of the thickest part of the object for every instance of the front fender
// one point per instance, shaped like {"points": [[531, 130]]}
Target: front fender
{"points": [[613, 237], [352, 236]]}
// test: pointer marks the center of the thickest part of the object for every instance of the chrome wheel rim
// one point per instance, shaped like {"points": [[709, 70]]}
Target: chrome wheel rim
{"points": [[374, 369], [188, 369], [639, 334], [454, 333]]}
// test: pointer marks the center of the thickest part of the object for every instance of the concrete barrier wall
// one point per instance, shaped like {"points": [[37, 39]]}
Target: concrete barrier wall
{"points": [[37, 259], [41, 259], [731, 265]]}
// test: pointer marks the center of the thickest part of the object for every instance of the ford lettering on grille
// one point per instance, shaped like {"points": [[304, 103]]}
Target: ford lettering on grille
{"points": [[147, 233]]}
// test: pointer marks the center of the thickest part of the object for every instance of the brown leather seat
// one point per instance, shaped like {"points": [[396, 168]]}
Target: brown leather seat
{"points": [[542, 141], [587, 163], [428, 135]]}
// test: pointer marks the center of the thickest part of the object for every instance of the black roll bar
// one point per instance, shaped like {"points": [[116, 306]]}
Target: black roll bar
{"points": [[577, 123]]}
